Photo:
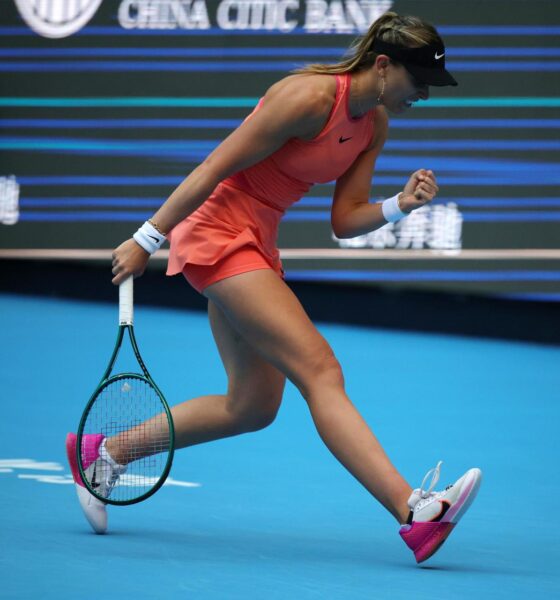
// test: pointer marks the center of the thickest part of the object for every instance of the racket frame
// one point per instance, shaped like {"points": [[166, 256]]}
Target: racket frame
{"points": [[125, 324]]}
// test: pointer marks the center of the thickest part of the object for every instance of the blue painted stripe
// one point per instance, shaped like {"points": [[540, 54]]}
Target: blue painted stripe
{"points": [[291, 216], [505, 66], [471, 217], [477, 164], [241, 66], [146, 66], [363, 275], [45, 180], [24, 143], [540, 177], [509, 217], [61, 180], [314, 202], [196, 150], [201, 102], [326, 201], [306, 202], [50, 143], [123, 123], [310, 216], [503, 202], [531, 296], [284, 51], [80, 202], [422, 123], [77, 217], [464, 176], [498, 30], [473, 144], [494, 217], [400, 123], [497, 102], [508, 180], [493, 51], [222, 102]]}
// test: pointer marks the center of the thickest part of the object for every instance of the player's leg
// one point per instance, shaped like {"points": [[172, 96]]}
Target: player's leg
{"points": [[253, 396], [263, 309]]}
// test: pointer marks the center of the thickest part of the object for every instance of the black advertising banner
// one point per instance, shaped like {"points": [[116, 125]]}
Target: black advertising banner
{"points": [[106, 105]]}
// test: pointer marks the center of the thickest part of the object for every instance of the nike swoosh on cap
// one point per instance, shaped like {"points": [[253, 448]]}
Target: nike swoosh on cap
{"points": [[438, 57]]}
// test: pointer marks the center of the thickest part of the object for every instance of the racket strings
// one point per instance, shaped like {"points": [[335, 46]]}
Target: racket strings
{"points": [[130, 414]]}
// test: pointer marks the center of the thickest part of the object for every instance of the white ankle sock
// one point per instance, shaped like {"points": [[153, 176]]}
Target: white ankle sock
{"points": [[104, 455]]}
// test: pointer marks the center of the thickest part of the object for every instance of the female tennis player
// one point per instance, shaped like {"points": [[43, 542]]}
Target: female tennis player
{"points": [[321, 123]]}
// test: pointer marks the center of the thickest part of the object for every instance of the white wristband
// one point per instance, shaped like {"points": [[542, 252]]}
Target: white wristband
{"points": [[391, 210], [149, 238]]}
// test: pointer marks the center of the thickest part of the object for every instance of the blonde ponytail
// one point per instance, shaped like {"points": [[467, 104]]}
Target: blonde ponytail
{"points": [[408, 31]]}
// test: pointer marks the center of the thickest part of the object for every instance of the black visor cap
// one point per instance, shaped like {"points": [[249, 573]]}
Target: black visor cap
{"points": [[426, 63]]}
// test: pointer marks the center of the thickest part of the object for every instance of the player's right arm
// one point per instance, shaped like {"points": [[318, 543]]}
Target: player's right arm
{"points": [[292, 111], [287, 111]]}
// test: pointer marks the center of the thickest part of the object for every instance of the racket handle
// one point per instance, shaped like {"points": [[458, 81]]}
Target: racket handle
{"points": [[126, 296]]}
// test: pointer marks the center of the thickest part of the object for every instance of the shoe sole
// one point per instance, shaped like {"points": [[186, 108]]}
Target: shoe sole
{"points": [[94, 510], [442, 534], [468, 494]]}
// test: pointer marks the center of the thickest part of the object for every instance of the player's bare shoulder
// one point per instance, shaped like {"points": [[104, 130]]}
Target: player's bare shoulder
{"points": [[312, 95], [317, 90]]}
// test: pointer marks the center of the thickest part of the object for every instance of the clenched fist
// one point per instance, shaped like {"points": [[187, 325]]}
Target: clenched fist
{"points": [[420, 189]]}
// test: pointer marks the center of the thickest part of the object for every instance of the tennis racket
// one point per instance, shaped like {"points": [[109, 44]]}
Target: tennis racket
{"points": [[130, 415]]}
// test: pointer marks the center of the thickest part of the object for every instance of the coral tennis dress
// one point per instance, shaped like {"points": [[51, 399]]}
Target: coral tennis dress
{"points": [[235, 230]]}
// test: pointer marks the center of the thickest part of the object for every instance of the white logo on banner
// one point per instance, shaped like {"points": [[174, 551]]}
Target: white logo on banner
{"points": [[349, 16], [62, 18], [255, 15], [436, 227], [57, 18], [163, 14], [9, 200], [319, 16]]}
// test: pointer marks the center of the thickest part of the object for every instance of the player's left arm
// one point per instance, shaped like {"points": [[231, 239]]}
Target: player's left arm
{"points": [[352, 214]]}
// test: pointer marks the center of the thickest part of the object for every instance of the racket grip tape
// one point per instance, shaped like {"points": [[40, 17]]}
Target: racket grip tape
{"points": [[126, 303]]}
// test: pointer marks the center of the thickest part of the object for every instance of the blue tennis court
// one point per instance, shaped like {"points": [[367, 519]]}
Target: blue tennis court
{"points": [[272, 514]]}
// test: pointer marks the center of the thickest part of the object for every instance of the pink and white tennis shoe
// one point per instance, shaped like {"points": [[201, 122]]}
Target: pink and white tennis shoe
{"points": [[101, 471], [433, 515]]}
